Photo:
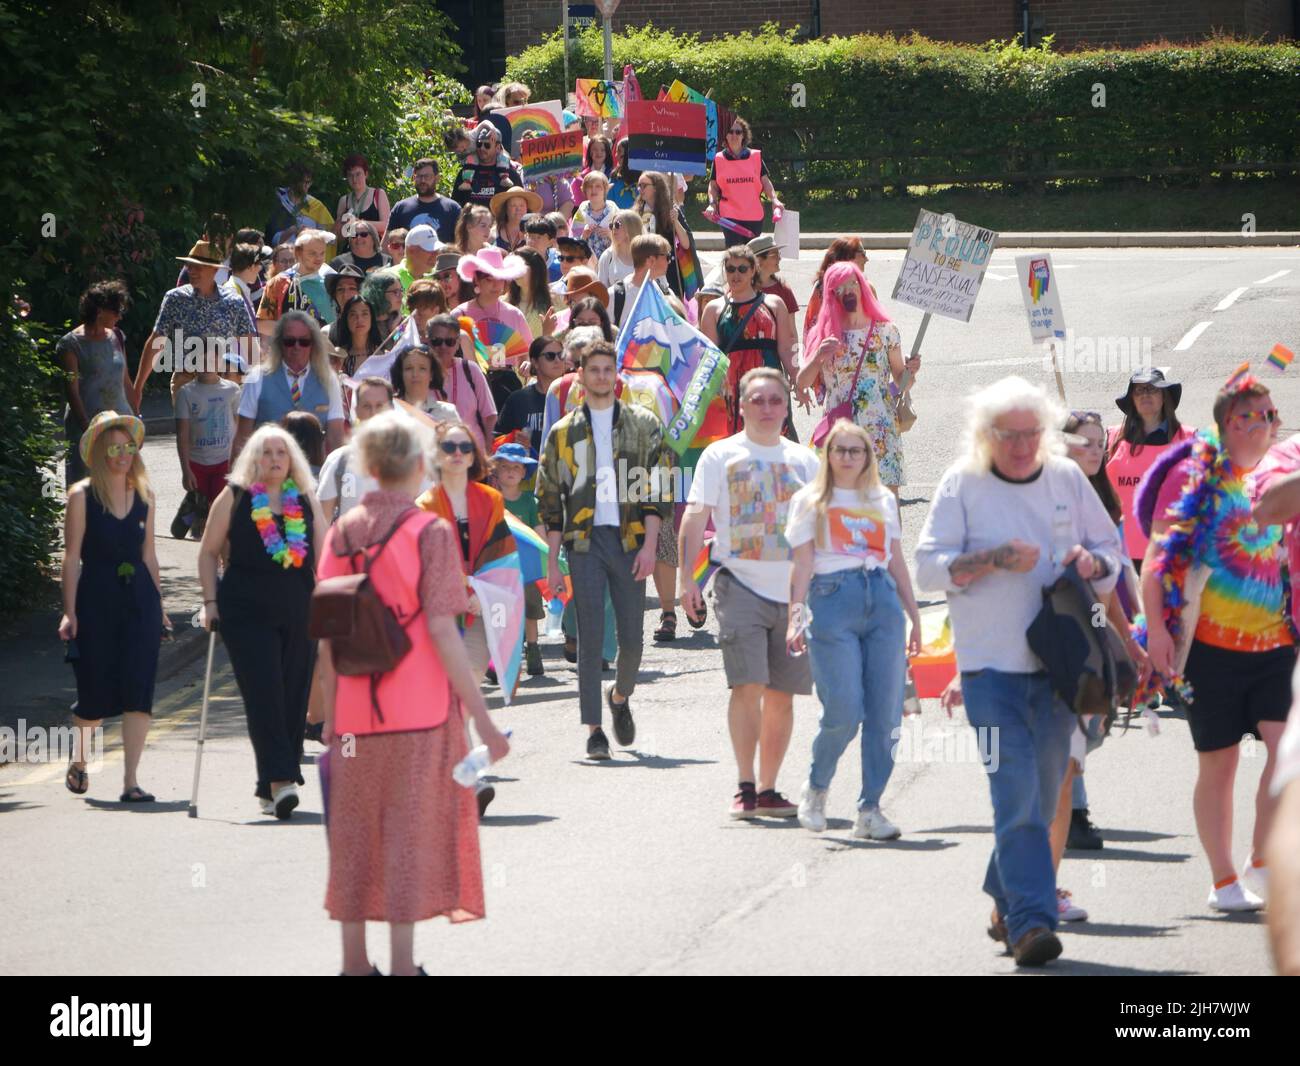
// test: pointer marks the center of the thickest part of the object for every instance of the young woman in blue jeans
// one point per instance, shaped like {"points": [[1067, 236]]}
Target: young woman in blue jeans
{"points": [[844, 530]]}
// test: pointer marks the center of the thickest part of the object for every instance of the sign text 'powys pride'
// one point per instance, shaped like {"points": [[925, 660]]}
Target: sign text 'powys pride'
{"points": [[944, 266], [553, 156], [666, 136]]}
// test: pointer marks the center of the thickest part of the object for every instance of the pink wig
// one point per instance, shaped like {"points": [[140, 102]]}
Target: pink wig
{"points": [[830, 319]]}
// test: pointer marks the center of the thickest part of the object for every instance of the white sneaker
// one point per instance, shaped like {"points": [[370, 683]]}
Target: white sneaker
{"points": [[268, 806], [873, 825], [812, 808], [1066, 909], [1255, 879], [1234, 897], [284, 801]]}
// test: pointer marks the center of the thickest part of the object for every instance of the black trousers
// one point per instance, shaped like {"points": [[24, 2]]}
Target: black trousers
{"points": [[273, 659]]}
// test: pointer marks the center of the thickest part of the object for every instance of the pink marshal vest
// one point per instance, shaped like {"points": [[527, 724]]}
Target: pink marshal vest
{"points": [[1125, 471], [741, 183]]}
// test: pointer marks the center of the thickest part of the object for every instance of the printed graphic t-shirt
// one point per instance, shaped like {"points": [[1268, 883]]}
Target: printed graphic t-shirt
{"points": [[1243, 605], [858, 532], [212, 410], [749, 487]]}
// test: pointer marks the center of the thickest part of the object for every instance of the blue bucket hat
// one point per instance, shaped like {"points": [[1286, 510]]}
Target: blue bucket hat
{"points": [[515, 453]]}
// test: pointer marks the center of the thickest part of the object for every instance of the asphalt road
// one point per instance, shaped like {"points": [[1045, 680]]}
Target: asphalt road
{"points": [[633, 866]]}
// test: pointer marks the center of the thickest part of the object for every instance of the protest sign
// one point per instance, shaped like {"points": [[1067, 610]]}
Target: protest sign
{"points": [[542, 119], [598, 99], [717, 119], [1041, 296], [944, 266], [666, 136], [555, 156]]}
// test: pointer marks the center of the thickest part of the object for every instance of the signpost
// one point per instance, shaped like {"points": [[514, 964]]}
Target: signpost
{"points": [[577, 15], [607, 9]]}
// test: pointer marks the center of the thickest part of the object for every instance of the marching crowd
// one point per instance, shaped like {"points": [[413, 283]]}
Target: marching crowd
{"points": [[407, 390]]}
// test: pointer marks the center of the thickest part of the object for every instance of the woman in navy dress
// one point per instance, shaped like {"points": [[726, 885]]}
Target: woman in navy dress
{"points": [[112, 597]]}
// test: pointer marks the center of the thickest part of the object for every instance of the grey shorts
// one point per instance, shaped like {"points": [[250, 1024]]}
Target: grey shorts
{"points": [[751, 631]]}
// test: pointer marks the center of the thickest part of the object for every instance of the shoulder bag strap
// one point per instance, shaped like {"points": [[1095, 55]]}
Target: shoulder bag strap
{"points": [[744, 321]]}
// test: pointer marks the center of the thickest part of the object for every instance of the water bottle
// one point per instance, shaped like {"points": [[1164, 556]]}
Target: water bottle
{"points": [[911, 702], [555, 618], [777, 212], [467, 772]]}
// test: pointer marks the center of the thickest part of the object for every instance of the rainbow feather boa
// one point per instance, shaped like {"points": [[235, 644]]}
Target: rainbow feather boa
{"points": [[289, 550]]}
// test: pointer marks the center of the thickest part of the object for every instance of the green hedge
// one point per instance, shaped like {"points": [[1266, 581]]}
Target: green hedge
{"points": [[884, 112]]}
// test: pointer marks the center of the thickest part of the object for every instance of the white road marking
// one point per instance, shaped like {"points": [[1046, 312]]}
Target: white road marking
{"points": [[1036, 360], [1231, 298], [998, 277], [1190, 337], [1272, 277]]}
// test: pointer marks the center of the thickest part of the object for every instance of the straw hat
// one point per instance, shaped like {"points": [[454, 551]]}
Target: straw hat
{"points": [[102, 423], [515, 193], [202, 254]]}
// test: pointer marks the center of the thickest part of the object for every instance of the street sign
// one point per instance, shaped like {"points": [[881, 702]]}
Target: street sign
{"points": [[582, 15], [607, 7]]}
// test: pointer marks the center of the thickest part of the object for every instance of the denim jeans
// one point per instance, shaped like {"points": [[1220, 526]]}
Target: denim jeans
{"points": [[1033, 743], [858, 645]]}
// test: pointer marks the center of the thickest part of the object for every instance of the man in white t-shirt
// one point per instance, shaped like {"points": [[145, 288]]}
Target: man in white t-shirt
{"points": [[651, 255], [745, 483]]}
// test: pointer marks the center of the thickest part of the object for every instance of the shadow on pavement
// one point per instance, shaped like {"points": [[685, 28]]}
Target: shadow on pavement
{"points": [[852, 843], [1115, 929], [645, 762], [1238, 918], [953, 829], [1133, 835], [1064, 967], [157, 807], [516, 819], [1131, 855], [14, 805]]}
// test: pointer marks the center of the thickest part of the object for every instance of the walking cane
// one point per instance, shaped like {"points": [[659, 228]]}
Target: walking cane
{"points": [[203, 722]]}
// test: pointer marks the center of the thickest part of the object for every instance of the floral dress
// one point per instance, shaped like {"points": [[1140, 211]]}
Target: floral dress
{"points": [[873, 407]]}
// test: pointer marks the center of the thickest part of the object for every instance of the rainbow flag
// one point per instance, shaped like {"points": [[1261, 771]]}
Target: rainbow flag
{"points": [[704, 567], [1280, 357], [481, 356], [499, 586], [688, 263], [655, 337]]}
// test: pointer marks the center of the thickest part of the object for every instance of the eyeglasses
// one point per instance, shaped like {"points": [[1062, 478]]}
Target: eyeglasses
{"points": [[451, 447], [766, 401], [616, 225], [1017, 436], [572, 258], [841, 452], [114, 450], [555, 355], [737, 268], [443, 342], [295, 342], [1251, 417], [1146, 390]]}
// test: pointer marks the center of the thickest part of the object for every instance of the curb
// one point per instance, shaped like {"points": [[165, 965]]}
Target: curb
{"points": [[712, 240]]}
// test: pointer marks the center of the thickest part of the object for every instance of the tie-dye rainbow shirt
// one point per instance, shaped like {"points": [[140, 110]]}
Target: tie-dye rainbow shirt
{"points": [[1243, 607]]}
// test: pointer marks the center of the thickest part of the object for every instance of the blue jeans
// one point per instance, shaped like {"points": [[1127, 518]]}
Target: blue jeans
{"points": [[1032, 731], [858, 645]]}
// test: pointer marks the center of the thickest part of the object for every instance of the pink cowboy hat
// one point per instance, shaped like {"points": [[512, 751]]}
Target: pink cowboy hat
{"points": [[492, 262]]}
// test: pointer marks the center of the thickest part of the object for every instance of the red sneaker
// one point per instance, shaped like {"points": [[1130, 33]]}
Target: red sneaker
{"points": [[771, 804], [745, 802]]}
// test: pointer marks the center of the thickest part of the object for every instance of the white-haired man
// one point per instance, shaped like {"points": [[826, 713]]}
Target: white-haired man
{"points": [[301, 287], [1007, 519]]}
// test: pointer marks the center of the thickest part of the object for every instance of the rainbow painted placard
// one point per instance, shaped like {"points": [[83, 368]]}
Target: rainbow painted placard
{"points": [[1042, 298], [597, 98], [541, 119], [666, 136], [1280, 357], [555, 156]]}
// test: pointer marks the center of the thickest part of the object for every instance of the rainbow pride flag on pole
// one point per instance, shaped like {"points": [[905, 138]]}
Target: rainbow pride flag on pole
{"points": [[1280, 357]]}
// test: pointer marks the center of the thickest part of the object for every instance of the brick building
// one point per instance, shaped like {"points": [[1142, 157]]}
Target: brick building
{"points": [[1075, 23]]}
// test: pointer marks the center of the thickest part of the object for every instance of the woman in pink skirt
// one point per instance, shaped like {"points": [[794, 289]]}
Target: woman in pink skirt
{"points": [[403, 837]]}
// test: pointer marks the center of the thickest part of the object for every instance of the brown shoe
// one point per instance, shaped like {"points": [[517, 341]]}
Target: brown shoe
{"points": [[1036, 947], [997, 930]]}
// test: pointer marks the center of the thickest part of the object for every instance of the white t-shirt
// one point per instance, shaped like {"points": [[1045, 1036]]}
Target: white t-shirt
{"points": [[602, 433], [212, 410], [340, 478], [610, 268], [252, 392], [749, 488], [859, 533]]}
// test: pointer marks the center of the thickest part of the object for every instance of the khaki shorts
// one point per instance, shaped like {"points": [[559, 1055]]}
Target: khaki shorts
{"points": [[534, 608], [751, 631]]}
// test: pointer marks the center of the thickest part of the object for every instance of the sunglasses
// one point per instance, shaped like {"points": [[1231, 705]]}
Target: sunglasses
{"points": [[1251, 417], [114, 450], [572, 258], [451, 447], [295, 342], [1146, 390], [443, 342], [841, 452], [616, 225], [447, 275], [554, 356], [737, 268]]}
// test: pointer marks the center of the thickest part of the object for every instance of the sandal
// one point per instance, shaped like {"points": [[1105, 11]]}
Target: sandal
{"points": [[135, 794], [704, 616], [76, 780], [667, 626]]}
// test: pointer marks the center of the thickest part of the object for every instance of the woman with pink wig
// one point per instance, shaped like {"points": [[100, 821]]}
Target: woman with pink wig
{"points": [[856, 354]]}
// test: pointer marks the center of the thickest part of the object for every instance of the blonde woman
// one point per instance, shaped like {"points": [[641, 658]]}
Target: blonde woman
{"points": [[264, 523], [848, 564], [615, 262], [112, 596]]}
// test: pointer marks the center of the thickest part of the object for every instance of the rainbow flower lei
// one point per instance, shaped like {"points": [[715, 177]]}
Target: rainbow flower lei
{"points": [[289, 550]]}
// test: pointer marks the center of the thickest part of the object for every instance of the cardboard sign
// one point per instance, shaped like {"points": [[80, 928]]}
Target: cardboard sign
{"points": [[598, 99], [666, 136], [543, 119], [717, 119], [555, 156], [944, 266], [1041, 296]]}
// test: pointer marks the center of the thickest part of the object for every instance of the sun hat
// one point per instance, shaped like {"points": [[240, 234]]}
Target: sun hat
{"points": [[347, 270], [580, 281], [102, 423], [514, 453], [516, 192], [424, 237], [203, 254], [764, 243], [576, 243], [1148, 375], [445, 261], [492, 262]]}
